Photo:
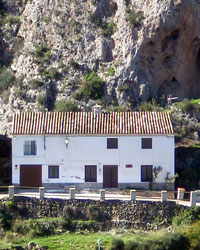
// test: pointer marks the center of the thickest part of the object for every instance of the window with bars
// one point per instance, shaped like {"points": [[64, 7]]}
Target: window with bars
{"points": [[146, 143], [112, 143], [146, 173], [90, 173], [53, 171], [30, 148]]}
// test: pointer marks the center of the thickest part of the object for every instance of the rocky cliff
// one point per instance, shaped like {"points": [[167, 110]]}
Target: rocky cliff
{"points": [[110, 52]]}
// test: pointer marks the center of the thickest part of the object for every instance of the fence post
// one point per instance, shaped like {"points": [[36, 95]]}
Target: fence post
{"points": [[41, 192], [163, 196], [193, 198], [180, 193], [72, 193], [11, 191], [102, 194], [133, 194]]}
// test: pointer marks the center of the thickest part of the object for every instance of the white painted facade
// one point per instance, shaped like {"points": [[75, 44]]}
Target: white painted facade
{"points": [[92, 150]]}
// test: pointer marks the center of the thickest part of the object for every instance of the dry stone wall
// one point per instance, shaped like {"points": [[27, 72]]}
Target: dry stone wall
{"points": [[128, 214]]}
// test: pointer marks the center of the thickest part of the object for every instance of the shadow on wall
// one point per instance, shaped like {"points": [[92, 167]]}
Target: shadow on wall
{"points": [[188, 168], [5, 160]]}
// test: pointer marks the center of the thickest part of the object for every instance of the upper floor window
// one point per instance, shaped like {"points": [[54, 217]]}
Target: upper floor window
{"points": [[112, 143], [30, 148], [146, 143]]}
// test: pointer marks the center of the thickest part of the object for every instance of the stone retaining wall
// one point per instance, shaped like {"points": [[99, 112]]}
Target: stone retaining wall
{"points": [[138, 214]]}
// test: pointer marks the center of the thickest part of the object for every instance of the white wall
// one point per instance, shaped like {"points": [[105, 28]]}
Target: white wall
{"points": [[92, 150]]}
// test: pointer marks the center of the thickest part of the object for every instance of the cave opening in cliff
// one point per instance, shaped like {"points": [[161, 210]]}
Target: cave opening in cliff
{"points": [[198, 62], [197, 69]]}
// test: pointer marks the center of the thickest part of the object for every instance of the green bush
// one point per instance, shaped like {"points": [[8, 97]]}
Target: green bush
{"points": [[187, 105], [187, 216], [117, 244], [193, 235], [132, 246], [95, 20], [7, 79], [5, 221], [108, 29], [34, 228], [20, 93], [93, 86], [52, 74], [110, 71], [46, 19], [66, 106], [134, 18], [168, 241], [94, 213], [149, 106], [41, 99], [35, 83], [42, 54], [5, 95], [10, 204], [123, 87], [66, 223], [72, 63], [13, 20]]}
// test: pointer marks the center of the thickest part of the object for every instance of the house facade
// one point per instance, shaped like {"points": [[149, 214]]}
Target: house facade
{"points": [[92, 150]]}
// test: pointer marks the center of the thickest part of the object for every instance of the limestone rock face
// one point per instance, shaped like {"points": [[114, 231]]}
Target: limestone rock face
{"points": [[141, 49]]}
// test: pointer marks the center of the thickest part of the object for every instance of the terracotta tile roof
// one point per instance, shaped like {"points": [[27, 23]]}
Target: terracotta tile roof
{"points": [[89, 123]]}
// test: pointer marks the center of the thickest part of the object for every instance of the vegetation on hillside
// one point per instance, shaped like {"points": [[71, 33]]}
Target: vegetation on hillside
{"points": [[68, 233]]}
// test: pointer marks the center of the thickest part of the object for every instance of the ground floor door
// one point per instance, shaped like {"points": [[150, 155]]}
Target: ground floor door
{"points": [[31, 175], [110, 176]]}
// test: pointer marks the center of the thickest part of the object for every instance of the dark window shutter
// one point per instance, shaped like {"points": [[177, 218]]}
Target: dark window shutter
{"points": [[90, 173], [53, 171], [146, 173]]}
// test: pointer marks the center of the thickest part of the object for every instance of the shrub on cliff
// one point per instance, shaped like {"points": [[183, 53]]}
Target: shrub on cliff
{"points": [[6, 79], [66, 106], [42, 54], [134, 18], [93, 86]]}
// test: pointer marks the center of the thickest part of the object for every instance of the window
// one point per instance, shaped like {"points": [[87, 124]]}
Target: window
{"points": [[30, 148], [129, 165], [146, 143], [146, 173], [90, 173], [112, 143], [53, 171]]}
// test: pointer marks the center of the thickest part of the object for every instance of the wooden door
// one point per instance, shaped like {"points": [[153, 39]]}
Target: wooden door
{"points": [[31, 175], [110, 176]]}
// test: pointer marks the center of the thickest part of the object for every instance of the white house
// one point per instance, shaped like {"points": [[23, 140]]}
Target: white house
{"points": [[92, 150]]}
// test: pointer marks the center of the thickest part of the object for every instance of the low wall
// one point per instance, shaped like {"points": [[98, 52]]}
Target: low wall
{"points": [[135, 214]]}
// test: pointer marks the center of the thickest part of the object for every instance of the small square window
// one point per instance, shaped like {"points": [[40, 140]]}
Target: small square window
{"points": [[53, 171], [146, 173], [30, 148], [146, 143], [112, 143], [129, 165], [91, 173]]}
